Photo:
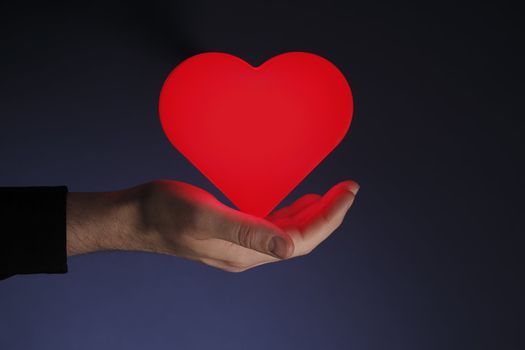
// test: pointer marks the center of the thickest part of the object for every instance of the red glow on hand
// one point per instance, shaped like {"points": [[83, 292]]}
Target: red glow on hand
{"points": [[255, 132]]}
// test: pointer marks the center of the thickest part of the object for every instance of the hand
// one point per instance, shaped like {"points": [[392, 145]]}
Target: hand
{"points": [[176, 218]]}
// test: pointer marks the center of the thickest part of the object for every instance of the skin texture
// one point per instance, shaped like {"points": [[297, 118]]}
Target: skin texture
{"points": [[176, 218]]}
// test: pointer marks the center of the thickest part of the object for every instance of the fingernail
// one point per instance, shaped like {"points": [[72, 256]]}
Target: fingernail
{"points": [[354, 188], [277, 247]]}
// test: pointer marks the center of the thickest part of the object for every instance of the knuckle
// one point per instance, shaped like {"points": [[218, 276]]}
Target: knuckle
{"points": [[244, 236]]}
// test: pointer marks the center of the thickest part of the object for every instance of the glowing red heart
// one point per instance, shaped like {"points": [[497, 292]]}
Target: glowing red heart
{"points": [[255, 132]]}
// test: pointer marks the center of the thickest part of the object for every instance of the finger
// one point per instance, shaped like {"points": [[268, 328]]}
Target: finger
{"points": [[254, 233], [300, 219], [295, 207], [328, 216], [328, 198]]}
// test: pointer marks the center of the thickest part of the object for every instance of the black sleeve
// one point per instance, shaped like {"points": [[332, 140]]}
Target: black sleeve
{"points": [[32, 230]]}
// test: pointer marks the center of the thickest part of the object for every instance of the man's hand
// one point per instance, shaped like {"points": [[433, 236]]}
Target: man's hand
{"points": [[176, 218]]}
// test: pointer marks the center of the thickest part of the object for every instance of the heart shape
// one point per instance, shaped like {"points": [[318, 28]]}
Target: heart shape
{"points": [[255, 132]]}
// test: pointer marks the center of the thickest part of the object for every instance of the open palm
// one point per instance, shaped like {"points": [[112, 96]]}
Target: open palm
{"points": [[191, 223]]}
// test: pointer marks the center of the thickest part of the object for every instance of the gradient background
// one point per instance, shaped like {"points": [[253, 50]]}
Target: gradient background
{"points": [[428, 257]]}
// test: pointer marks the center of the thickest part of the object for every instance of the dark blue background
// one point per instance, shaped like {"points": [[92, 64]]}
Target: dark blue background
{"points": [[426, 259]]}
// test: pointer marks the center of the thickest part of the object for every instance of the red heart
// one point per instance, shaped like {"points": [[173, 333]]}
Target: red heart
{"points": [[255, 132]]}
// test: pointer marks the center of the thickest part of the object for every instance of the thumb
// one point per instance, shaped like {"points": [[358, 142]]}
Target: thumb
{"points": [[258, 234]]}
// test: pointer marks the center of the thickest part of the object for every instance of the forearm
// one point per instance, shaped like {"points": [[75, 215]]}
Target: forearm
{"points": [[102, 221]]}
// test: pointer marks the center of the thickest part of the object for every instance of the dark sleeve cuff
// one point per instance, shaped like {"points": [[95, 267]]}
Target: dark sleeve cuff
{"points": [[32, 230]]}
